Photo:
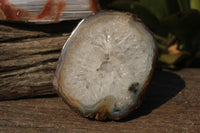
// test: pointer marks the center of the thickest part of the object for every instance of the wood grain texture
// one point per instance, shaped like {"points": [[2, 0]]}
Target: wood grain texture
{"points": [[10, 34], [172, 105], [28, 61]]}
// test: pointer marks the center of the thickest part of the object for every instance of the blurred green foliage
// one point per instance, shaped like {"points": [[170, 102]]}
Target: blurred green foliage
{"points": [[175, 24]]}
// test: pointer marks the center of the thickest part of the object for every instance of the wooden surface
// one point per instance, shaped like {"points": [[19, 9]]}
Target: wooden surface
{"points": [[172, 105], [28, 57]]}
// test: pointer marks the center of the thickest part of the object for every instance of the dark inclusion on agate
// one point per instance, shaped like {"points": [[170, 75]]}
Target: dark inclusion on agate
{"points": [[134, 87]]}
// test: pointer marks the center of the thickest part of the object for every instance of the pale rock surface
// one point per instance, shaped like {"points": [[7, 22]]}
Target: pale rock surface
{"points": [[105, 65]]}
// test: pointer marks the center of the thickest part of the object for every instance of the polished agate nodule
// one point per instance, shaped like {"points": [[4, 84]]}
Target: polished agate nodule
{"points": [[105, 65]]}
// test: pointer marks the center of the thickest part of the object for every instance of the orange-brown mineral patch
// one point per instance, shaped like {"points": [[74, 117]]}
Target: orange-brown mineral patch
{"points": [[51, 10], [93, 5], [60, 9], [11, 12]]}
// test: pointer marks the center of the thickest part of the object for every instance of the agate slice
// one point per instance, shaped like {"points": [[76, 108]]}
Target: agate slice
{"points": [[106, 65]]}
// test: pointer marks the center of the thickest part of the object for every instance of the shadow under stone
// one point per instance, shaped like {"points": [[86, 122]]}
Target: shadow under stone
{"points": [[163, 87], [52, 28]]}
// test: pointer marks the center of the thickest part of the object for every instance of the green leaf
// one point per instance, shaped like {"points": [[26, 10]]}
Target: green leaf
{"points": [[161, 8], [195, 4], [169, 58], [195, 61], [184, 25], [140, 10], [183, 4], [195, 43], [163, 49], [174, 60]]}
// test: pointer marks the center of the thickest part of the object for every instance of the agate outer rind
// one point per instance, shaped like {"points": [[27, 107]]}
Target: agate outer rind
{"points": [[101, 110]]}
